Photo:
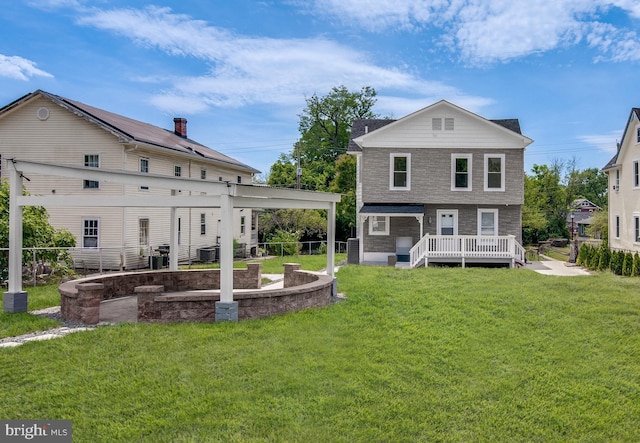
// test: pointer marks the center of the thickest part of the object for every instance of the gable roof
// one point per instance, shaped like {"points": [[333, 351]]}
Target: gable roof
{"points": [[129, 130], [613, 163], [361, 128]]}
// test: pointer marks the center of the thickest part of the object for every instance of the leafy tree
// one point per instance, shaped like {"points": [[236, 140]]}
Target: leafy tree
{"points": [[591, 184], [599, 227], [36, 233], [324, 126]]}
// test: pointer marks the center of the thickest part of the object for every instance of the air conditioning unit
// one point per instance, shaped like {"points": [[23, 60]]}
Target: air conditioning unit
{"points": [[616, 187]]}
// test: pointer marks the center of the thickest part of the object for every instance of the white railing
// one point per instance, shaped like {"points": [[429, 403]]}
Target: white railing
{"points": [[465, 246]]}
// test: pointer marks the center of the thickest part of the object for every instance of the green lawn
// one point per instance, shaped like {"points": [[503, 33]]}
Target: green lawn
{"points": [[433, 354]]}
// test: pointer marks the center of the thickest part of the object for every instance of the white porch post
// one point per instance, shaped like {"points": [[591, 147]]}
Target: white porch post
{"points": [[173, 240], [15, 299], [331, 238], [226, 308]]}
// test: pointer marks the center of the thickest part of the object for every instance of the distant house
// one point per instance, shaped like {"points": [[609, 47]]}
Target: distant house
{"points": [[441, 185], [580, 217], [623, 171], [48, 128]]}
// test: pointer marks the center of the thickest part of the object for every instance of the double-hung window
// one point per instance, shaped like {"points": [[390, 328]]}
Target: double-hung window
{"points": [[203, 224], [488, 222], [243, 225], [494, 172], [379, 225], [143, 228], [90, 231], [617, 226], [636, 173], [461, 172], [636, 228], [400, 172], [144, 167], [91, 161]]}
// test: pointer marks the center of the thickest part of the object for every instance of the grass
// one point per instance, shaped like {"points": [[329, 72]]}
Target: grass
{"points": [[450, 355]]}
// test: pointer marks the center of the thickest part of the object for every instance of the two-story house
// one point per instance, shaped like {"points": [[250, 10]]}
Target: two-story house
{"points": [[47, 128], [441, 185], [623, 171]]}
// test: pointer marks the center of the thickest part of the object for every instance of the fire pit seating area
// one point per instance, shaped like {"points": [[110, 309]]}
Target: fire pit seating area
{"points": [[190, 295]]}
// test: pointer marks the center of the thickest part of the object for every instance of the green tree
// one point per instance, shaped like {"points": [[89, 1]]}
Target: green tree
{"points": [[591, 184], [36, 233], [324, 126]]}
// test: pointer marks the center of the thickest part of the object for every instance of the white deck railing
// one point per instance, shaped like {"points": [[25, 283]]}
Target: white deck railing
{"points": [[465, 246]]}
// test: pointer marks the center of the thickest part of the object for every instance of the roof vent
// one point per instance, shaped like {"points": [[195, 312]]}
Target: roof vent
{"points": [[42, 113]]}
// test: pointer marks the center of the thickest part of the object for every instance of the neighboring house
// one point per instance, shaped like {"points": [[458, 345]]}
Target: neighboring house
{"points": [[580, 217], [48, 128], [439, 185], [623, 171]]}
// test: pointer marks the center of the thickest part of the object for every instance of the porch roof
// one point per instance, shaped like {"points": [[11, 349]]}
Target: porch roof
{"points": [[393, 210]]}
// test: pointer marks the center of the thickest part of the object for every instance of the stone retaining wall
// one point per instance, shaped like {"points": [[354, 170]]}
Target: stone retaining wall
{"points": [[163, 296]]}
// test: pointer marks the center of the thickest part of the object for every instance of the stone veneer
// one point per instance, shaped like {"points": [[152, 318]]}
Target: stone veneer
{"points": [[170, 296]]}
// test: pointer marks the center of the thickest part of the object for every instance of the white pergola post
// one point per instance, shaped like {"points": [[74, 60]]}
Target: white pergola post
{"points": [[15, 299], [226, 308], [173, 240], [331, 244]]}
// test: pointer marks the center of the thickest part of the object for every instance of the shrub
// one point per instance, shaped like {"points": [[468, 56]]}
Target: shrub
{"points": [[605, 256], [594, 260], [290, 243], [627, 264], [615, 264], [636, 265], [584, 254]]}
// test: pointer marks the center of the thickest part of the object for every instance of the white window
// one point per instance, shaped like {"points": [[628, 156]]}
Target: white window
{"points": [[400, 172], [90, 231], [617, 185], [636, 224], [239, 179], [203, 174], [617, 226], [461, 172], [494, 172], [242, 225], [91, 161], [177, 171], [143, 229], [378, 225], [636, 174], [637, 134], [144, 167], [203, 224], [488, 222]]}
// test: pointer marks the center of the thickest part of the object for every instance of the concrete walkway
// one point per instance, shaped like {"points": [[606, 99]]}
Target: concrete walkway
{"points": [[550, 266]]}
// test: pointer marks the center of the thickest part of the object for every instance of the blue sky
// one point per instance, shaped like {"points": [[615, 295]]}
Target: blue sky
{"points": [[240, 71]]}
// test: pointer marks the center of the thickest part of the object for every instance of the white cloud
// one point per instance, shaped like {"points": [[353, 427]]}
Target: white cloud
{"points": [[245, 70], [494, 30], [603, 142], [19, 68]]}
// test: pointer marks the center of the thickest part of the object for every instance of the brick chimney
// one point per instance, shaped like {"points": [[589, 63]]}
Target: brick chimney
{"points": [[180, 126]]}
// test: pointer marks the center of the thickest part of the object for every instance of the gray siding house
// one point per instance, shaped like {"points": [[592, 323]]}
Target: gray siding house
{"points": [[439, 185]]}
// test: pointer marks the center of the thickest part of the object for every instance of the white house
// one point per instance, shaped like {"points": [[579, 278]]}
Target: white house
{"points": [[623, 171], [47, 128]]}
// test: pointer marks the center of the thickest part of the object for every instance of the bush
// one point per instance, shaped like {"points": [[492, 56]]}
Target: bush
{"points": [[635, 272], [594, 260], [584, 254], [605, 257], [627, 264], [290, 243], [615, 264]]}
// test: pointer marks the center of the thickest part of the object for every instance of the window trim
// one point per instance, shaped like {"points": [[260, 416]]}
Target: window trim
{"points": [[386, 224], [636, 228], [637, 134], [635, 176], [84, 236], [243, 225], [203, 223], [496, 221], [177, 170], [454, 158], [392, 171], [144, 170], [502, 172], [203, 173]]}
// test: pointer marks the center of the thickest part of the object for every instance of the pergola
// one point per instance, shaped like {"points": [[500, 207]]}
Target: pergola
{"points": [[223, 195]]}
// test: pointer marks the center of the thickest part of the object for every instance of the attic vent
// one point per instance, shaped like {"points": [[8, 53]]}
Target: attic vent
{"points": [[42, 113], [436, 124], [448, 124]]}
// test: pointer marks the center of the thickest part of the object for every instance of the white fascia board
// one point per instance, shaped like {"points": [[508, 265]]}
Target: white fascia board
{"points": [[130, 201]]}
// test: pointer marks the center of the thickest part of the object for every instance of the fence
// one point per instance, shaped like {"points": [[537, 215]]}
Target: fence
{"points": [[40, 262]]}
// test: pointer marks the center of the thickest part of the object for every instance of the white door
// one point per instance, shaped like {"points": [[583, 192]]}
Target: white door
{"points": [[447, 225]]}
